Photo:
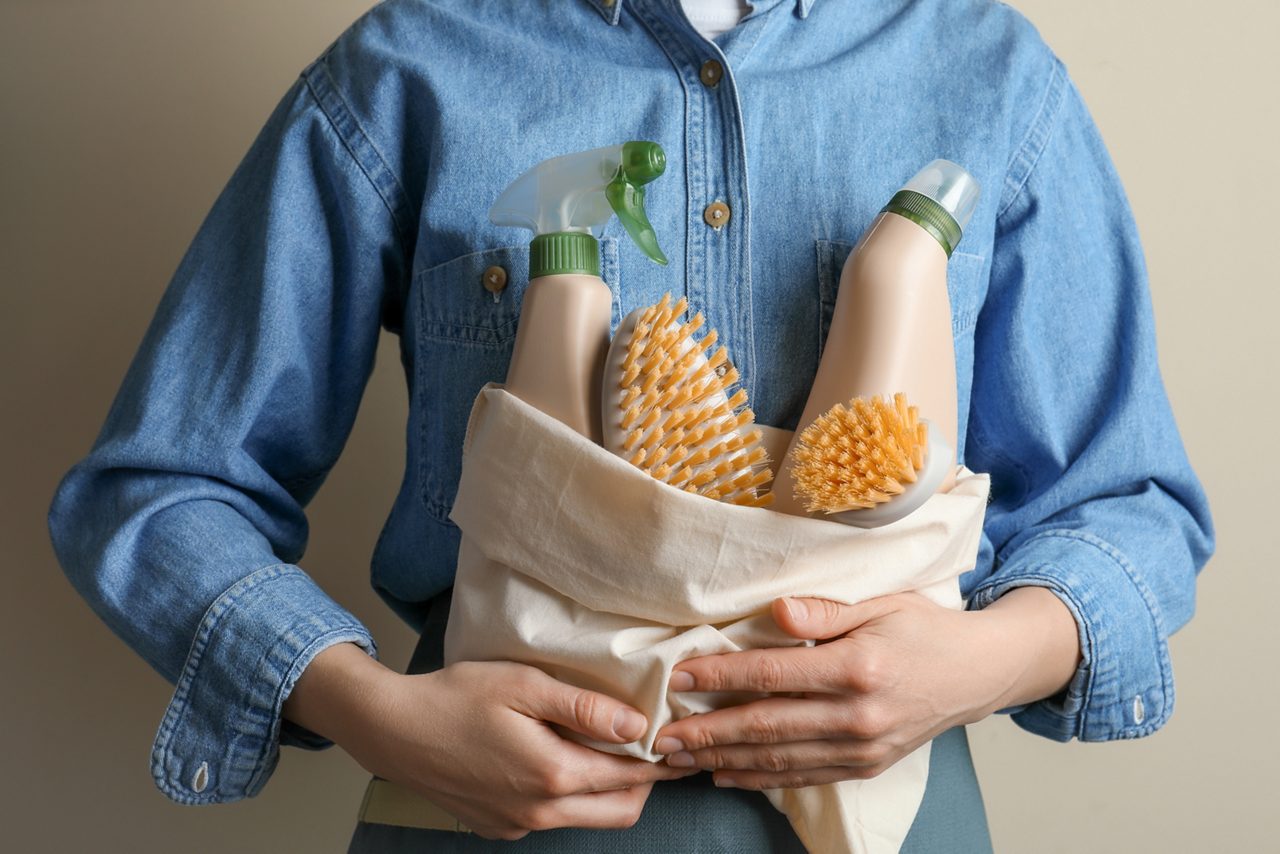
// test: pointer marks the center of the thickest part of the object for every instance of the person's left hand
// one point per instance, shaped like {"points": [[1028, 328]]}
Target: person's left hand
{"points": [[899, 671]]}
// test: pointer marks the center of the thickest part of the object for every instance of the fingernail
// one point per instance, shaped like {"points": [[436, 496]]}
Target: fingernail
{"points": [[628, 724], [668, 745], [682, 759], [725, 782], [798, 610], [680, 681]]}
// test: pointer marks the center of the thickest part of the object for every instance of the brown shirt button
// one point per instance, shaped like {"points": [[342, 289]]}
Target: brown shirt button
{"points": [[495, 279], [716, 214], [710, 73]]}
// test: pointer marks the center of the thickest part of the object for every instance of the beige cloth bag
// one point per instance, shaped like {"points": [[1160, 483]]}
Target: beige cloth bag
{"points": [[578, 563]]}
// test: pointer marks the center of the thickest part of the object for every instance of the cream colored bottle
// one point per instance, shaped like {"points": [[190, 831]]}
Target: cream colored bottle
{"points": [[563, 337], [560, 349], [891, 327]]}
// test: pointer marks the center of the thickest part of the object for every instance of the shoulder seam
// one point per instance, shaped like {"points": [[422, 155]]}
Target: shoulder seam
{"points": [[1033, 144], [358, 144]]}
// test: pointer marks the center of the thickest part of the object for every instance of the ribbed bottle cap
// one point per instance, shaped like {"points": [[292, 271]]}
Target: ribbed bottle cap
{"points": [[940, 198], [564, 252]]}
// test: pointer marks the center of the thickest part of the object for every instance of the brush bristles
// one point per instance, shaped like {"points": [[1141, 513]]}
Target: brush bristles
{"points": [[684, 426], [859, 455]]}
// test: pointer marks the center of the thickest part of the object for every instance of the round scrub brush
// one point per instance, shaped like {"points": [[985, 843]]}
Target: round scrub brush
{"points": [[868, 463], [668, 409]]}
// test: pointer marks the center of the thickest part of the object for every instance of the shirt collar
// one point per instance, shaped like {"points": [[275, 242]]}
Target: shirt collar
{"points": [[611, 10]]}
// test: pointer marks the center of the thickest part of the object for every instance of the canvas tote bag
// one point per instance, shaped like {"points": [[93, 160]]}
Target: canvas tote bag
{"points": [[576, 562]]}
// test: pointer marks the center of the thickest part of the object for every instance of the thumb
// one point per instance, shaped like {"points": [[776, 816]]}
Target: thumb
{"points": [[820, 619], [590, 713]]}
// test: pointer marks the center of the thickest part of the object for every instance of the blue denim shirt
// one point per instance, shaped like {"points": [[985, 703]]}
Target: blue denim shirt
{"points": [[362, 205]]}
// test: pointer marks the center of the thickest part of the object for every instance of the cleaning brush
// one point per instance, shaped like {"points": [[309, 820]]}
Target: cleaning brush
{"points": [[668, 408], [868, 463]]}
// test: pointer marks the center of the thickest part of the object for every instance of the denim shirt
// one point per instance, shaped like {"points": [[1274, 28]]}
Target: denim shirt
{"points": [[362, 206]]}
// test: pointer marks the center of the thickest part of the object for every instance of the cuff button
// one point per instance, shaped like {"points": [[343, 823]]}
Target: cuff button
{"points": [[200, 781], [1139, 710]]}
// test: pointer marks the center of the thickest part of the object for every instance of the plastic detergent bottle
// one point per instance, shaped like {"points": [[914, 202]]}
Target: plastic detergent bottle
{"points": [[891, 327], [563, 334]]}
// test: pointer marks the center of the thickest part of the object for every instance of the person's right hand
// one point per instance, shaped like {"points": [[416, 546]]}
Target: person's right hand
{"points": [[476, 739]]}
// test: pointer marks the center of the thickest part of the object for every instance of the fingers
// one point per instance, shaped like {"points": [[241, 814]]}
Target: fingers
{"points": [[777, 758], [598, 810], [818, 619], [583, 772], [769, 671], [592, 771], [590, 713], [775, 720]]}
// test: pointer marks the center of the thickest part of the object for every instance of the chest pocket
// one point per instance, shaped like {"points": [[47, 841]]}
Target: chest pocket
{"points": [[468, 310], [965, 290]]}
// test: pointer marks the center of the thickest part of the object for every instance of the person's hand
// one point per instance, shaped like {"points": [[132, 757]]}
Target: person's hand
{"points": [[899, 671], [476, 739]]}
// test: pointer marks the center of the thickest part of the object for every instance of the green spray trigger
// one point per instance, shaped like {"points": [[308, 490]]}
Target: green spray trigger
{"points": [[565, 202], [641, 163]]}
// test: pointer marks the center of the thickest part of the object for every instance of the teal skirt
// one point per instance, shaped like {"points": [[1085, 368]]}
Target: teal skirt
{"points": [[692, 815]]}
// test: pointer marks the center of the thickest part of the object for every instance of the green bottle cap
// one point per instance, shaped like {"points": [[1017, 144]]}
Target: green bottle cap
{"points": [[928, 214], [941, 199], [564, 252]]}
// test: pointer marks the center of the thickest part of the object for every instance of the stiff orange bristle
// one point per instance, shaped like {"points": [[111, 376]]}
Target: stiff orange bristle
{"points": [[859, 455], [681, 415]]}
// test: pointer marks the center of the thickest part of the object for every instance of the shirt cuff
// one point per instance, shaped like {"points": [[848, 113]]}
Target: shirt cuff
{"points": [[1124, 685], [220, 737]]}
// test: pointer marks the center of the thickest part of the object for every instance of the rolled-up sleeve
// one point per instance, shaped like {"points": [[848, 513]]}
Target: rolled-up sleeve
{"points": [[1093, 494], [183, 526]]}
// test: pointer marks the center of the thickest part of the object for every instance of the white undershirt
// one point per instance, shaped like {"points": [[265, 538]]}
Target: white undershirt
{"points": [[713, 17]]}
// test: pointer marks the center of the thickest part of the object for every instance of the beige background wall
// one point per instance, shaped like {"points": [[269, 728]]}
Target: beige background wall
{"points": [[122, 120]]}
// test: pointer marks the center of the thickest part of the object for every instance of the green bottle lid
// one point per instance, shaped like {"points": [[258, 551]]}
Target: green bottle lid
{"points": [[941, 199], [564, 252], [928, 214]]}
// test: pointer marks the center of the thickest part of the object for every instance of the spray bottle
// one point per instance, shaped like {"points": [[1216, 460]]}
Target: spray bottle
{"points": [[563, 335], [891, 331]]}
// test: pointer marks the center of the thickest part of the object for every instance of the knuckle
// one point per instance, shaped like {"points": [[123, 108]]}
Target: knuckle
{"points": [[867, 674], [789, 781], [861, 754], [865, 723], [538, 818], [875, 675], [766, 673], [878, 754], [522, 681], [707, 675], [868, 772], [586, 707], [761, 729], [554, 783], [711, 757], [773, 760], [830, 612], [696, 737]]}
